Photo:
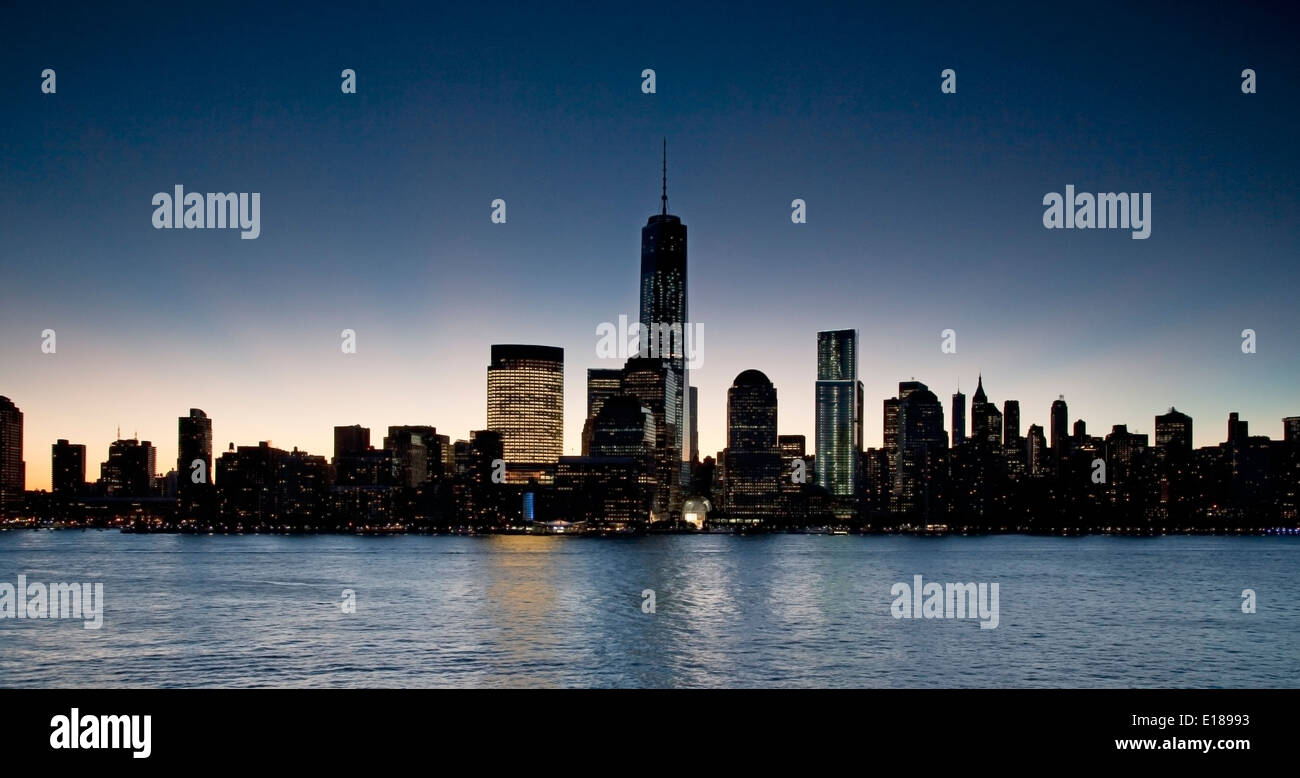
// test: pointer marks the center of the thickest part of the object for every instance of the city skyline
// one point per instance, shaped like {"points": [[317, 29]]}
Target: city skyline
{"points": [[924, 214], [872, 436], [1184, 437]]}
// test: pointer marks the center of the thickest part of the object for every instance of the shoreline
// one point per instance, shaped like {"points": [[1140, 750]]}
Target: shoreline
{"points": [[888, 531]]}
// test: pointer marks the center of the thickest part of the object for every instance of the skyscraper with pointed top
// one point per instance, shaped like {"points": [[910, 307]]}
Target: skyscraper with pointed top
{"points": [[663, 265], [663, 313], [986, 419]]}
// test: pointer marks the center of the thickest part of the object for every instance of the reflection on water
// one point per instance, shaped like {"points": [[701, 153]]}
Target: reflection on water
{"points": [[783, 610]]}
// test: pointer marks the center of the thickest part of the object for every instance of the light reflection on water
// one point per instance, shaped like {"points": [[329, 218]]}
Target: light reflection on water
{"points": [[780, 610]]}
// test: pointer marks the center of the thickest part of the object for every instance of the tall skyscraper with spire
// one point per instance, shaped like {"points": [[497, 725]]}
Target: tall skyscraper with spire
{"points": [[663, 312]]}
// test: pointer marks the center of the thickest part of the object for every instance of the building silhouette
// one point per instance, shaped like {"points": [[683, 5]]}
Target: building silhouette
{"points": [[351, 440], [613, 488], [916, 450], [1010, 421], [1039, 463], [130, 470], [602, 383], [194, 484], [194, 443], [1060, 441], [753, 462], [693, 424], [68, 468], [958, 418], [13, 470], [1174, 432], [420, 453], [654, 383], [986, 419]]}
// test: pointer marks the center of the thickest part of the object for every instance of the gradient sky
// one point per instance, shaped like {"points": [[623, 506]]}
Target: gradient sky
{"points": [[924, 209]]}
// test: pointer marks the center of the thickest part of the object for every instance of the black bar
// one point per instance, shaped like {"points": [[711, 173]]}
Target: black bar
{"points": [[470, 730]]}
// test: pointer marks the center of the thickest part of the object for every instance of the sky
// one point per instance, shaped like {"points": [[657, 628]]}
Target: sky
{"points": [[924, 209]]}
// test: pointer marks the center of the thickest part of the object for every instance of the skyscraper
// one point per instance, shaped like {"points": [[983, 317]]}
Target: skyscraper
{"points": [[1010, 422], [753, 488], [613, 487], [130, 469], [602, 383], [363, 474], [792, 447], [418, 452], [839, 412], [693, 423], [351, 441], [1122, 447], [525, 403], [68, 467], [194, 442], [1291, 429], [624, 428], [654, 383], [663, 303], [917, 440], [1036, 447], [1238, 430], [1174, 432], [986, 419], [479, 499], [13, 470], [958, 419], [1060, 420]]}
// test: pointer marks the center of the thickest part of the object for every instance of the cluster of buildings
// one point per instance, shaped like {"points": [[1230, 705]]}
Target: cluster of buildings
{"points": [[640, 467], [631, 476]]}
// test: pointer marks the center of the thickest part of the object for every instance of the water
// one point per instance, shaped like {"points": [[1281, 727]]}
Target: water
{"points": [[778, 610]]}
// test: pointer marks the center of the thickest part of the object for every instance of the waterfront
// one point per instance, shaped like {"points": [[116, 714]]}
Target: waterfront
{"points": [[767, 610]]}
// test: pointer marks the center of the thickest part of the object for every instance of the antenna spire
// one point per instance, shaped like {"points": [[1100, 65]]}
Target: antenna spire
{"points": [[664, 197]]}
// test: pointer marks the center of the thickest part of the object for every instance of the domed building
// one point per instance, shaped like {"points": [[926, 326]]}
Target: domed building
{"points": [[695, 512]]}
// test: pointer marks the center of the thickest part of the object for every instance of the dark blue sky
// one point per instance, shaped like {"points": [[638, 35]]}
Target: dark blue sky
{"points": [[924, 209]]}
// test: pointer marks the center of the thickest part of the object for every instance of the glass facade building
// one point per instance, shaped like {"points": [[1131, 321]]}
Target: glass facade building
{"points": [[663, 308], [839, 411]]}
